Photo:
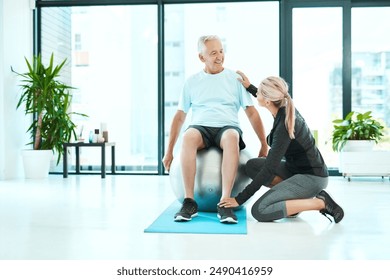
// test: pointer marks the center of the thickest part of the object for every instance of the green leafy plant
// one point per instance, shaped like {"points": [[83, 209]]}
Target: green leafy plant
{"points": [[48, 100], [355, 126]]}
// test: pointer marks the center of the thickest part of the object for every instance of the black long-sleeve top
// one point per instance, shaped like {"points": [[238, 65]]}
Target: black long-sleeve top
{"points": [[301, 154]]}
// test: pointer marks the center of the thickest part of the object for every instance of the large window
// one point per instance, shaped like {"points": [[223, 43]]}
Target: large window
{"points": [[112, 54], [317, 71], [250, 36], [112, 63], [122, 62], [371, 64]]}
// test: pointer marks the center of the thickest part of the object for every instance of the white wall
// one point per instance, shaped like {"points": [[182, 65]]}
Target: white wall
{"points": [[16, 42]]}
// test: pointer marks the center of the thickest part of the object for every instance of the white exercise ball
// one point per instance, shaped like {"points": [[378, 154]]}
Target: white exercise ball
{"points": [[208, 179]]}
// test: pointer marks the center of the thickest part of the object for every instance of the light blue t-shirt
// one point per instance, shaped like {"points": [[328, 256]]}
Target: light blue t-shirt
{"points": [[215, 99]]}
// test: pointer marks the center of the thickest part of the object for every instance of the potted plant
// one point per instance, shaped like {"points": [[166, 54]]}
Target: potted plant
{"points": [[47, 100], [356, 127], [354, 138]]}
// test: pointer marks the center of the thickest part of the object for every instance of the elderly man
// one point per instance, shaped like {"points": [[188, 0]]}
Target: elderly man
{"points": [[215, 96]]}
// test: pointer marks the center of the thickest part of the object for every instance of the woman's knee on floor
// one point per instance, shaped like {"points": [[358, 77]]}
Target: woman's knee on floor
{"points": [[263, 216], [257, 212], [264, 210]]}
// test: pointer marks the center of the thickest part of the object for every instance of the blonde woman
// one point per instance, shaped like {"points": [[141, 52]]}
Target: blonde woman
{"points": [[294, 168]]}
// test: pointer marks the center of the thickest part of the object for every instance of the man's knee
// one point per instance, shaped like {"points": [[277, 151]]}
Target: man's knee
{"points": [[230, 139], [231, 135], [193, 138]]}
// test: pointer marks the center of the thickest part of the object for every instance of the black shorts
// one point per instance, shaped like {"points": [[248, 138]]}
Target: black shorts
{"points": [[212, 135]]}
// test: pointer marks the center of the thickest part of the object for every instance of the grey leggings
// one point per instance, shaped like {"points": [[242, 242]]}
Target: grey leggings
{"points": [[272, 205]]}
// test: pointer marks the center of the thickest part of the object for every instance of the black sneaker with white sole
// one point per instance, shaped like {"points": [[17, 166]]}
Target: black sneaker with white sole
{"points": [[331, 207], [188, 210], [226, 215]]}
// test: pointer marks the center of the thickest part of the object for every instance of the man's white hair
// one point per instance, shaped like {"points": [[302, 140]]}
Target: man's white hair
{"points": [[203, 39]]}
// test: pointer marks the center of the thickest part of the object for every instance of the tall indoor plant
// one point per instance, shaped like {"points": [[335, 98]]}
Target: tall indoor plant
{"points": [[355, 126], [48, 101]]}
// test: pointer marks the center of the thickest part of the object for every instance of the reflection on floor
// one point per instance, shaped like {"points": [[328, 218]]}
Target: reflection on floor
{"points": [[89, 218]]}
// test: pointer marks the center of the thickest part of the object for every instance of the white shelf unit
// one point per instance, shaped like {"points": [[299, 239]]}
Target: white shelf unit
{"points": [[370, 164]]}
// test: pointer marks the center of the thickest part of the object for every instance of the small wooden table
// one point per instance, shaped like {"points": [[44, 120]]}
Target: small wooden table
{"points": [[103, 156]]}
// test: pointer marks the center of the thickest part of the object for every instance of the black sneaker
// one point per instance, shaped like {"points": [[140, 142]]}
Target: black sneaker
{"points": [[187, 211], [331, 207], [226, 215]]}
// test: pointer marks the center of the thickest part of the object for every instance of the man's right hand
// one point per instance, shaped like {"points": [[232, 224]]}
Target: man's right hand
{"points": [[264, 150], [167, 161]]}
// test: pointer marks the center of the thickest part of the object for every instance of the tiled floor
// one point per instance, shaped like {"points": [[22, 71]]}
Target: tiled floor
{"points": [[89, 218]]}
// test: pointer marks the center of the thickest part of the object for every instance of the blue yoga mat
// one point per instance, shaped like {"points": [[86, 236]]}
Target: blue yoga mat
{"points": [[204, 223]]}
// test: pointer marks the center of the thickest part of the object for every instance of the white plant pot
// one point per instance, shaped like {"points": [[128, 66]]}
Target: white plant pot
{"points": [[359, 146], [36, 163]]}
